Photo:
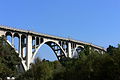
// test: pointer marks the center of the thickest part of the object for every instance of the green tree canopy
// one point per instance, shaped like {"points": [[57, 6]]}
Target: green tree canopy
{"points": [[8, 59]]}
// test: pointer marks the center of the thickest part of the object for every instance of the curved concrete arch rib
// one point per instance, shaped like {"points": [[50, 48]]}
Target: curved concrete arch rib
{"points": [[58, 50]]}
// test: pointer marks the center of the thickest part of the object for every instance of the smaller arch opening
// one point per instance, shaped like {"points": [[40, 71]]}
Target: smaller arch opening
{"points": [[8, 34], [9, 37], [16, 35], [16, 41]]}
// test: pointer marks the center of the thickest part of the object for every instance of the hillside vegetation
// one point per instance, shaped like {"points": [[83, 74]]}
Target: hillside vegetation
{"points": [[91, 65], [9, 60]]}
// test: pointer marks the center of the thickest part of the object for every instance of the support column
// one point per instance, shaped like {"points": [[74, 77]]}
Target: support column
{"points": [[29, 50], [12, 40], [69, 50], [20, 46], [35, 43]]}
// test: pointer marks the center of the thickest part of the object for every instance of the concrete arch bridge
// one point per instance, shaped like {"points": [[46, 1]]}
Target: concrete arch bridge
{"points": [[30, 42]]}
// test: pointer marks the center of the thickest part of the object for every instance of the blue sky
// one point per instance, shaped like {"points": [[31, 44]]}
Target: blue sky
{"points": [[93, 21]]}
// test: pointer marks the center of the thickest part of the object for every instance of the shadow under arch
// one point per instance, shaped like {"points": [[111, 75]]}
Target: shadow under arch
{"points": [[57, 49]]}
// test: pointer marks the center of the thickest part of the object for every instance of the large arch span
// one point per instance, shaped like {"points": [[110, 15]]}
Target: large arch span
{"points": [[57, 49]]}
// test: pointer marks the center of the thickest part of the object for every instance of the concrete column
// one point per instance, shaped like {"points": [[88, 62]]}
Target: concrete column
{"points": [[29, 51], [69, 50], [20, 45], [22, 50], [12, 40], [35, 43]]}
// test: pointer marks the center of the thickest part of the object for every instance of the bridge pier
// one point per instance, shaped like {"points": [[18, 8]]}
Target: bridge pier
{"points": [[29, 51], [20, 46], [12, 39], [69, 50]]}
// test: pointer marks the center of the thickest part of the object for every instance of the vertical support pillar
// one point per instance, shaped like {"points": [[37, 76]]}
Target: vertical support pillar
{"points": [[35, 43], [69, 50], [29, 50], [12, 40], [20, 45]]}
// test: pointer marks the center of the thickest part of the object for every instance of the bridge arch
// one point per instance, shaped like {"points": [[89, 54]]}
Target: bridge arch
{"points": [[16, 35], [55, 46], [8, 36]]}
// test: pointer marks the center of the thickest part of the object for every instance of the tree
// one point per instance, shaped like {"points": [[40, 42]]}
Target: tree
{"points": [[8, 59], [40, 70], [91, 65]]}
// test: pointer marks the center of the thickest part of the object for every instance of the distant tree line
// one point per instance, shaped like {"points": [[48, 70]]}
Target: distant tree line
{"points": [[91, 65]]}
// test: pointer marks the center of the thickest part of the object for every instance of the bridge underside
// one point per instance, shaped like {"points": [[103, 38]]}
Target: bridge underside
{"points": [[28, 43]]}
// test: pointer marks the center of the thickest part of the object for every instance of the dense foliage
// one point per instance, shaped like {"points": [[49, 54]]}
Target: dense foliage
{"points": [[91, 65], [8, 60]]}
